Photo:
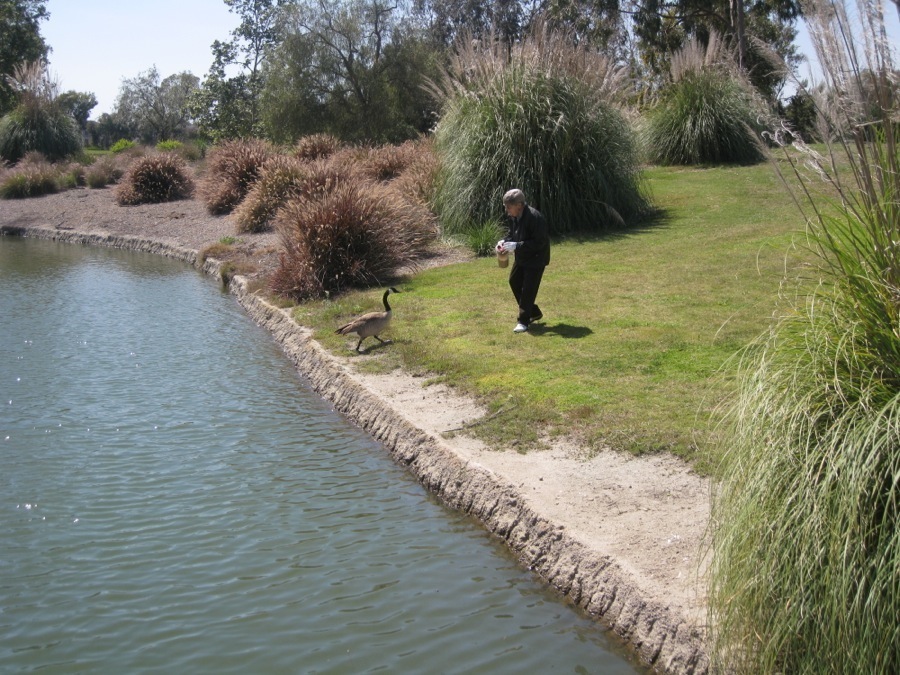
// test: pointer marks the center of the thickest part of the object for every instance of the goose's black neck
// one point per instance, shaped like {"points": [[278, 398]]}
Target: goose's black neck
{"points": [[387, 307]]}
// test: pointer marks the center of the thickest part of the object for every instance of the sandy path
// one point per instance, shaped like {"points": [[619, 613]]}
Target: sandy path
{"points": [[622, 536]]}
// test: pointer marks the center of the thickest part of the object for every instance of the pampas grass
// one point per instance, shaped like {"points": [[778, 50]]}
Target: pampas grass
{"points": [[232, 169], [805, 542], [543, 116], [707, 114], [155, 178]]}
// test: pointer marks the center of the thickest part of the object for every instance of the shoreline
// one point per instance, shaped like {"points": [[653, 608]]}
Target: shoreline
{"points": [[619, 536]]}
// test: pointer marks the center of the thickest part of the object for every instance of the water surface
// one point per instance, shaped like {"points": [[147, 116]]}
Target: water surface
{"points": [[174, 498]]}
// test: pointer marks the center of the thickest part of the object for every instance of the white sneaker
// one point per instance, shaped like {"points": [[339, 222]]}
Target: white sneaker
{"points": [[520, 328]]}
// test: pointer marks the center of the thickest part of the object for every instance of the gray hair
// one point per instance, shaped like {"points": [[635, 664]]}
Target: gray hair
{"points": [[514, 196]]}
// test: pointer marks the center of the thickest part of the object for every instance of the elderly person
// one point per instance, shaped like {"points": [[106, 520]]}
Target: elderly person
{"points": [[529, 239]]}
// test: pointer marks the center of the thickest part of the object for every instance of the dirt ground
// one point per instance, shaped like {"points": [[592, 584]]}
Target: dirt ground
{"points": [[621, 536]]}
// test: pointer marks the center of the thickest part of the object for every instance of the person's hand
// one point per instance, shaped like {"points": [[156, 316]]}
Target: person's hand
{"points": [[509, 246]]}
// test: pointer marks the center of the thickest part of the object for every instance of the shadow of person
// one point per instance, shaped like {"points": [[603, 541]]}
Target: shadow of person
{"points": [[562, 329]]}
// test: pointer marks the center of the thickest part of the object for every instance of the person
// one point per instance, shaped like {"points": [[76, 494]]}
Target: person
{"points": [[529, 240]]}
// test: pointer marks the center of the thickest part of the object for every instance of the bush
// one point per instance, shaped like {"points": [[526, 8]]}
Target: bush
{"points": [[708, 114], [544, 119], [38, 125], [352, 233], [232, 169], [169, 146], [805, 541], [122, 145], [29, 179], [278, 177], [105, 170], [154, 179], [316, 146]]}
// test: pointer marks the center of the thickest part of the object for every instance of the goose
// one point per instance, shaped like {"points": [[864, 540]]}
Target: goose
{"points": [[371, 324]]}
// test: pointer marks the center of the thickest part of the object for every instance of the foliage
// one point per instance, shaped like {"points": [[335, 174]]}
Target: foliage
{"points": [[544, 119], [316, 146], [662, 27], [707, 114], [482, 238], [232, 169], [154, 109], [32, 177], [37, 123], [351, 68], [155, 178], [169, 146], [20, 42], [227, 105], [278, 178], [806, 547], [350, 232], [78, 105], [122, 145], [104, 171]]}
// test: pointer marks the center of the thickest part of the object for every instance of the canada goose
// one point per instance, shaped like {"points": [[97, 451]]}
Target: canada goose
{"points": [[370, 324]]}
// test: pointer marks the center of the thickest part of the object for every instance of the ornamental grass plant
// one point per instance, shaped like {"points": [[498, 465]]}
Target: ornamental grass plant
{"points": [[707, 113], [155, 178], [37, 123], [543, 115], [805, 536], [232, 169]]}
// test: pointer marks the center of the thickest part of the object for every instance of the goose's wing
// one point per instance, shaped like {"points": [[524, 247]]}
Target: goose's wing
{"points": [[359, 322]]}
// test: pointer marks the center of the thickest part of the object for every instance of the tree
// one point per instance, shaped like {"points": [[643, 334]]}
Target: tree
{"points": [[20, 42], [664, 26], [79, 105], [353, 68], [156, 110], [228, 106]]}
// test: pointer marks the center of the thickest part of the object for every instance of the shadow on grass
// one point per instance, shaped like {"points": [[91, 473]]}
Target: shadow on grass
{"points": [[653, 219], [561, 329]]}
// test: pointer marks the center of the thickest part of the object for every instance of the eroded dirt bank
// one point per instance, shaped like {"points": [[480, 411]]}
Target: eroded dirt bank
{"points": [[620, 536]]}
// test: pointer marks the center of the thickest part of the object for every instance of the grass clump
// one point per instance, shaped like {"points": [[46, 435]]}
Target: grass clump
{"points": [[155, 178], [542, 115], [806, 548], [347, 233], [232, 169], [32, 177], [278, 178], [707, 114], [316, 146], [37, 123], [105, 170]]}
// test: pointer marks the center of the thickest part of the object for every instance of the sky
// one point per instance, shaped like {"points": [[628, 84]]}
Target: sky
{"points": [[98, 43]]}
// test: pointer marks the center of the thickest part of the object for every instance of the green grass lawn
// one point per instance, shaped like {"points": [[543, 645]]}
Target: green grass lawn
{"points": [[638, 325]]}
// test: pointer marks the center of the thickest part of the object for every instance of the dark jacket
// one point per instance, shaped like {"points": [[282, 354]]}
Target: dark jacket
{"points": [[533, 236]]}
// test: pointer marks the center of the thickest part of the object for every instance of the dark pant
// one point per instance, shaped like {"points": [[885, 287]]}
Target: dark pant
{"points": [[525, 282]]}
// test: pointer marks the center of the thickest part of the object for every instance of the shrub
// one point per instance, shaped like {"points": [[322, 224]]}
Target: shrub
{"points": [[417, 180], [232, 168], [353, 233], [707, 114], [122, 145], [542, 117], [105, 170], [29, 179], [39, 125], [153, 179], [482, 239], [169, 146], [279, 175], [316, 146], [805, 542]]}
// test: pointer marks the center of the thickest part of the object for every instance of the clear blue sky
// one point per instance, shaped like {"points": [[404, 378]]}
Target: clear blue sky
{"points": [[98, 43]]}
